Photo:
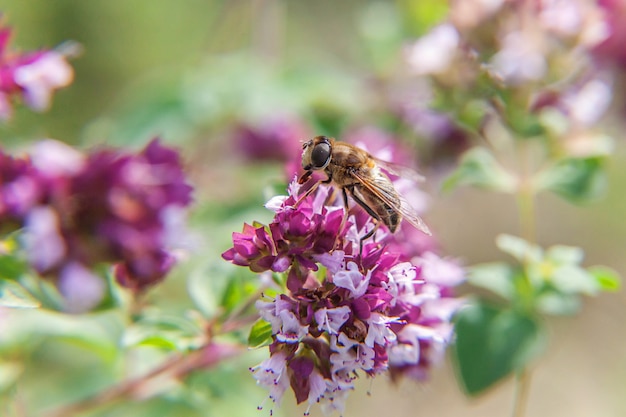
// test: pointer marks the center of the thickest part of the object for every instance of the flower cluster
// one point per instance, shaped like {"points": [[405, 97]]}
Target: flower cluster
{"points": [[274, 138], [78, 210], [519, 45], [347, 310], [611, 48], [31, 76], [539, 57]]}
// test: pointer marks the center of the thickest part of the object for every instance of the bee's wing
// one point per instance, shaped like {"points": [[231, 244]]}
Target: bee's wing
{"points": [[383, 188], [399, 170]]}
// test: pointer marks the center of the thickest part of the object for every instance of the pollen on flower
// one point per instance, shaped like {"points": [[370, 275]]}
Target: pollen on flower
{"points": [[345, 311]]}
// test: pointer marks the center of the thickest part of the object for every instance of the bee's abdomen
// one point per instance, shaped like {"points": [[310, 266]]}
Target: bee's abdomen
{"points": [[391, 218]]}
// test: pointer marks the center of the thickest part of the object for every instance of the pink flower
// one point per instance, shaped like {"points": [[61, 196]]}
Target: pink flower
{"points": [[272, 138], [41, 77], [79, 210], [352, 279], [345, 311], [32, 76], [435, 51]]}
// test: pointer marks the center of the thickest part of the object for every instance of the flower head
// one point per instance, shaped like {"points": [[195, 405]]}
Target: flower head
{"points": [[31, 76], [78, 210], [347, 310], [274, 138], [21, 187]]}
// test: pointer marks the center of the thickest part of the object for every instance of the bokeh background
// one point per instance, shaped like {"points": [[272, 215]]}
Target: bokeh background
{"points": [[207, 74]]}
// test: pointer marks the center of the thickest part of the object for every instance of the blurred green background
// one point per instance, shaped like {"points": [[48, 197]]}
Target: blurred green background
{"points": [[191, 70]]}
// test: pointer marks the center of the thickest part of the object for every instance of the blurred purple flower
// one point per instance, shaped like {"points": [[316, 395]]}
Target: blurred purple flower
{"points": [[81, 288], [43, 241], [118, 207], [435, 52], [40, 76], [444, 140], [368, 311], [33, 76], [21, 187], [381, 144], [79, 210], [521, 58], [611, 49], [277, 138]]}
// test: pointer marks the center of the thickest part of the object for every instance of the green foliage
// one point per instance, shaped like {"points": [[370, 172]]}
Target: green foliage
{"points": [[491, 343], [495, 341], [421, 16], [260, 334], [575, 179], [607, 278], [547, 281], [9, 373], [167, 332], [479, 168], [11, 267], [14, 295], [97, 333]]}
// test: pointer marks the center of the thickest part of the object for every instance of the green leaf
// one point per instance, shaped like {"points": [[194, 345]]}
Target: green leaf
{"points": [[11, 267], [260, 334], [519, 248], [14, 295], [99, 332], [607, 279], [165, 332], [239, 288], [479, 168], [558, 304], [575, 179], [163, 341], [421, 16], [524, 123], [204, 289], [496, 277], [472, 114], [491, 343], [9, 373]]}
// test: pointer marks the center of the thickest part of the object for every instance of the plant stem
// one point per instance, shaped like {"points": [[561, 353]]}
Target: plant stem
{"points": [[175, 367], [115, 393], [522, 387], [526, 205], [522, 381], [526, 208], [526, 195]]}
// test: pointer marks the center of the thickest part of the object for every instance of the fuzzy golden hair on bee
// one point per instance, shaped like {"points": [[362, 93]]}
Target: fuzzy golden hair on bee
{"points": [[359, 175]]}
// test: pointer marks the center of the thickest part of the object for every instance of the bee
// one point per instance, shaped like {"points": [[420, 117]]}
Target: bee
{"points": [[359, 174]]}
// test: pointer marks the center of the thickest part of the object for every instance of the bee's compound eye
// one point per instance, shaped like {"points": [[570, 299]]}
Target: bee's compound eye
{"points": [[320, 157]]}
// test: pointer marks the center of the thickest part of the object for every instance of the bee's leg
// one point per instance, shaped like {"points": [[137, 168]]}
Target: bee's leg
{"points": [[369, 211], [332, 195], [368, 235], [345, 215], [304, 178], [346, 206]]}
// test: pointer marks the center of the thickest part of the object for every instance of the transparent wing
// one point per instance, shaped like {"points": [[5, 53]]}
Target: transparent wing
{"points": [[399, 170], [383, 188]]}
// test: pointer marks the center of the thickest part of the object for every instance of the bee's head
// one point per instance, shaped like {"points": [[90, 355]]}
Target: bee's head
{"points": [[316, 153]]}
